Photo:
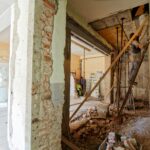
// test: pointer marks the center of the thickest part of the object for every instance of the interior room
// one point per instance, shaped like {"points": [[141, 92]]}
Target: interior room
{"points": [[87, 66], [74, 75]]}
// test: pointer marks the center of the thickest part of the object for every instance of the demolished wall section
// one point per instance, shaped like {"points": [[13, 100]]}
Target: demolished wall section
{"points": [[48, 83], [35, 104], [20, 76]]}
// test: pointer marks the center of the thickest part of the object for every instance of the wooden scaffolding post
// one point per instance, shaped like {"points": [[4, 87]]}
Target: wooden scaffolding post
{"points": [[84, 64], [117, 72], [111, 66], [120, 69], [112, 79]]}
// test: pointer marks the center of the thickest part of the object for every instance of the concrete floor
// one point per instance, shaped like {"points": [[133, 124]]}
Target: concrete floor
{"points": [[3, 128], [91, 102]]}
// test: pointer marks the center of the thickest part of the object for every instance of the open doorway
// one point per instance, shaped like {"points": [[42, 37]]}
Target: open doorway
{"points": [[87, 66], [5, 15], [85, 124], [4, 73]]}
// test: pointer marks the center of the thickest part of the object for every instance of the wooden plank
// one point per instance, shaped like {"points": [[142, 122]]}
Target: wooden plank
{"points": [[69, 144], [112, 65], [79, 31], [67, 55], [112, 80], [108, 92]]}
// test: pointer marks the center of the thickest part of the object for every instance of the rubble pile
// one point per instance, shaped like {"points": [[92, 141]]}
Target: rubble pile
{"points": [[89, 124], [115, 141], [89, 130]]}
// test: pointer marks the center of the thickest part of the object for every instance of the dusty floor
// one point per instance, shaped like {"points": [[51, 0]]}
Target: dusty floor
{"points": [[91, 102], [140, 129], [91, 135], [136, 125], [3, 128]]}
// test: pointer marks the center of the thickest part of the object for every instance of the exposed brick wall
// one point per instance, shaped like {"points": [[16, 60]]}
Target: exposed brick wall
{"points": [[45, 129]]}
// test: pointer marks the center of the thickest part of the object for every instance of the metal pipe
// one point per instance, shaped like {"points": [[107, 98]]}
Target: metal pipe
{"points": [[84, 65], [125, 69], [117, 71], [122, 29], [120, 67]]}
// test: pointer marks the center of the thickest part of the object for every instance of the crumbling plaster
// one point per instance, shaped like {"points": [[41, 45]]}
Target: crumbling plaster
{"points": [[36, 71], [18, 97], [57, 78]]}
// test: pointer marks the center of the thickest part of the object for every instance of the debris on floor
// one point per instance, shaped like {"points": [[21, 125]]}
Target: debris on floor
{"points": [[138, 127], [89, 130], [115, 141]]}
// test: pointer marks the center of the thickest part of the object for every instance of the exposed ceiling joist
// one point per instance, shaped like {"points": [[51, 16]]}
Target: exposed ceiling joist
{"points": [[84, 34]]}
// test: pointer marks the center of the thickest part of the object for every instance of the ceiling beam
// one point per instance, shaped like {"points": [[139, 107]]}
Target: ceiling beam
{"points": [[84, 34]]}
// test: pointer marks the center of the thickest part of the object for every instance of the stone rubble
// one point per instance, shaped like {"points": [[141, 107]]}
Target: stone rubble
{"points": [[95, 129]]}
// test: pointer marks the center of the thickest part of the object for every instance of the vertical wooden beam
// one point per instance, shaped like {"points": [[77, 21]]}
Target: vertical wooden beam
{"points": [[112, 80], [149, 53], [67, 56], [84, 64], [118, 72]]}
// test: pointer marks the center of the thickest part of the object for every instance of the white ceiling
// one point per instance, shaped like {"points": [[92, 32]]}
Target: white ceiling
{"points": [[92, 10], [5, 4], [5, 20]]}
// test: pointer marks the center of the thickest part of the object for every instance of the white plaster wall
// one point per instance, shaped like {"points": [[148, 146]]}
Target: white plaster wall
{"points": [[19, 113], [59, 37], [3, 82]]}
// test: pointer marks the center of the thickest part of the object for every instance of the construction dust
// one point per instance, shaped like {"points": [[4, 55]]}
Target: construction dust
{"points": [[88, 130]]}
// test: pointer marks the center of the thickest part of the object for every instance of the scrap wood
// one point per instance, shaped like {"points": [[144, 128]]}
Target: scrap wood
{"points": [[77, 124], [69, 144]]}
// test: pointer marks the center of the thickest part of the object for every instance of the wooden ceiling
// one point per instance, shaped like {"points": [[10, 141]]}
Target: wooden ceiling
{"points": [[106, 27], [110, 34]]}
